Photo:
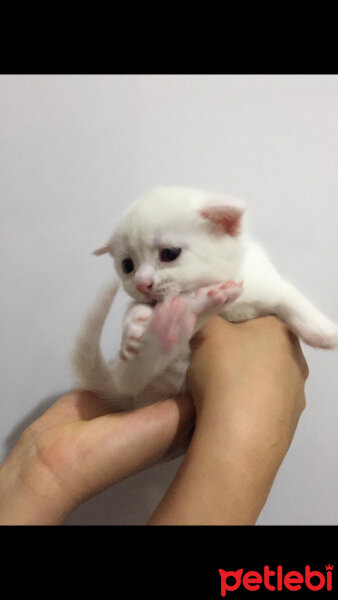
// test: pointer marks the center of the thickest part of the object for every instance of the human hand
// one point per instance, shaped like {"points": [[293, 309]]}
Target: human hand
{"points": [[248, 385], [247, 380], [252, 374], [78, 448]]}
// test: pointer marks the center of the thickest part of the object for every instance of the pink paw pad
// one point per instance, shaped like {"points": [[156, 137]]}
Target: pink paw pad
{"points": [[229, 284], [212, 292], [213, 297]]}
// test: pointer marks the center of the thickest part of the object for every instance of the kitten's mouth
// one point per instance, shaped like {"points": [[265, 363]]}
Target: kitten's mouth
{"points": [[153, 300], [156, 296]]}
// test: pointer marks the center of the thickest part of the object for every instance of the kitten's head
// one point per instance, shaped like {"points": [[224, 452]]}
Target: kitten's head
{"points": [[176, 240]]}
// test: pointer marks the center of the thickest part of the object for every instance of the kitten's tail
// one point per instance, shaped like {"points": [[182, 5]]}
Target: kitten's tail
{"points": [[90, 367]]}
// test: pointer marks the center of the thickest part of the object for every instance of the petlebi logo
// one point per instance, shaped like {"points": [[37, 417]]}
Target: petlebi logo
{"points": [[277, 579]]}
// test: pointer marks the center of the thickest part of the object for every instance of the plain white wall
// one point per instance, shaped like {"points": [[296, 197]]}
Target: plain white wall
{"points": [[76, 150]]}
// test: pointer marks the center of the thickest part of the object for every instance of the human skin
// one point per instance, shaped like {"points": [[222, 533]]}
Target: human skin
{"points": [[78, 448], [247, 382]]}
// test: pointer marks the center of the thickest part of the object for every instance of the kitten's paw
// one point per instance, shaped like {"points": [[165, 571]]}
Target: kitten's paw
{"points": [[213, 297], [172, 324], [134, 329], [322, 337]]}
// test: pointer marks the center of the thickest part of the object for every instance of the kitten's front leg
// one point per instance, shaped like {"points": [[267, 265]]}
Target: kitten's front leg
{"points": [[151, 340], [135, 326], [210, 300], [154, 337]]}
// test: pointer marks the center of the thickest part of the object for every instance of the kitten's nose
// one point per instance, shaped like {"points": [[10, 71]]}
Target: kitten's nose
{"points": [[144, 285]]}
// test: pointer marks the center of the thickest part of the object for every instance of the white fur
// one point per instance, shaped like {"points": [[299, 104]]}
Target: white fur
{"points": [[154, 353]]}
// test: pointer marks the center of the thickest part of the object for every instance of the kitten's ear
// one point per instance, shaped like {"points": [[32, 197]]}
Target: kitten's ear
{"points": [[104, 250], [224, 212]]}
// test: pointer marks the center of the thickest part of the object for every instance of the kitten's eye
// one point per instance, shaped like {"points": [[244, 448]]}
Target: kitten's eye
{"points": [[127, 265], [169, 254]]}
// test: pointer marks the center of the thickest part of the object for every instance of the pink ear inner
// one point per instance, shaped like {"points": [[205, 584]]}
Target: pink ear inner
{"points": [[228, 218]]}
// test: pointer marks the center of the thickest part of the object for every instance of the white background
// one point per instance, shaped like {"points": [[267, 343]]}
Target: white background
{"points": [[76, 150]]}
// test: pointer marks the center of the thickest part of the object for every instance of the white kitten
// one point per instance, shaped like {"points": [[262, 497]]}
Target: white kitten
{"points": [[182, 255]]}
